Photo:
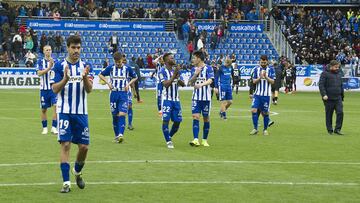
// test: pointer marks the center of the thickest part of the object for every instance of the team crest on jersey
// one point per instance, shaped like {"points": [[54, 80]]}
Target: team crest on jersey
{"points": [[161, 76], [52, 75]]}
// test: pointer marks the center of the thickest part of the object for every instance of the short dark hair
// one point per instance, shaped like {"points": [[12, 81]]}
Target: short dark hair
{"points": [[166, 55], [117, 56], [133, 58], [334, 63], [73, 39], [200, 55], [264, 57]]}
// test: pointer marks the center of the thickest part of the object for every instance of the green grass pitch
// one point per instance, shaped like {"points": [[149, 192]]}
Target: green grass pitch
{"points": [[298, 162]]}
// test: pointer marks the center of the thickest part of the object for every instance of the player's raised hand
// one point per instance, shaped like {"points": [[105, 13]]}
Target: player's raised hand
{"points": [[110, 86], [198, 70], [51, 62], [66, 72], [263, 74], [86, 71], [197, 86]]}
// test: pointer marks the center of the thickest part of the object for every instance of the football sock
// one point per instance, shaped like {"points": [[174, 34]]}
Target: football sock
{"points": [[196, 128], [206, 129], [115, 125], [54, 123], [266, 121], [78, 166], [174, 128], [65, 168], [121, 124], [165, 129], [159, 103], [130, 116], [255, 118], [44, 123]]}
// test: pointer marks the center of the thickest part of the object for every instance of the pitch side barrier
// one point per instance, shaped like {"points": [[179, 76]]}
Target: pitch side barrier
{"points": [[307, 78]]}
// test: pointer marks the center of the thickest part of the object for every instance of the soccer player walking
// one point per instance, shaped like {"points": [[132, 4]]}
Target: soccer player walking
{"points": [[171, 108], [47, 96], [223, 82], [72, 81], [263, 78], [119, 86], [159, 64], [202, 76]]}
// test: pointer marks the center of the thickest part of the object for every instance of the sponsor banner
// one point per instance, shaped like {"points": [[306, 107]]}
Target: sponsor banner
{"points": [[95, 25], [19, 81], [253, 28], [209, 27]]}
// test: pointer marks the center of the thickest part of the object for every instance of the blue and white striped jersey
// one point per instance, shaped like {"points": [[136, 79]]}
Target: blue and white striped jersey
{"points": [[119, 76], [172, 92], [158, 69], [204, 93], [72, 99], [223, 77], [263, 88], [43, 64]]}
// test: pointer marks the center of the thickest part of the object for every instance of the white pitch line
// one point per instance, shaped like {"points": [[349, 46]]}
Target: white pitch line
{"points": [[191, 183], [194, 161]]}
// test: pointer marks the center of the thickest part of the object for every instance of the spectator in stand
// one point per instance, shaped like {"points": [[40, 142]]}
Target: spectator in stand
{"points": [[140, 62], [4, 59], [200, 43], [43, 42], [17, 50], [159, 51], [136, 68], [190, 48], [30, 59], [58, 43], [51, 40], [35, 40], [56, 14], [214, 40], [149, 60], [186, 30], [29, 44], [113, 43]]}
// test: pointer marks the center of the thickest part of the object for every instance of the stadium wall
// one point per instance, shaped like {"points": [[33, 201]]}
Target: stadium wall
{"points": [[307, 78]]}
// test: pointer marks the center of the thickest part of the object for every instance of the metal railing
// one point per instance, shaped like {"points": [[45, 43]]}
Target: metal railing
{"points": [[279, 41]]}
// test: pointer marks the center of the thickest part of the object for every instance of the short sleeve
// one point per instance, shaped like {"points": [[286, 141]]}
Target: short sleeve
{"points": [[192, 72], [162, 75], [271, 73], [56, 73], [39, 65], [132, 73], [106, 71], [254, 74], [209, 73]]}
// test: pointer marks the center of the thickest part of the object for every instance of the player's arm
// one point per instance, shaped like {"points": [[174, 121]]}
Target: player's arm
{"points": [[88, 79], [210, 76], [270, 77], [103, 74], [167, 83], [256, 79], [60, 83], [322, 83], [46, 70], [195, 75]]}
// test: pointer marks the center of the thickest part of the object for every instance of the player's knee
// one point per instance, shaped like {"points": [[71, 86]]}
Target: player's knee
{"points": [[43, 110], [206, 119], [254, 110], [65, 146], [83, 148], [230, 102], [121, 114], [166, 123], [196, 117], [265, 113]]}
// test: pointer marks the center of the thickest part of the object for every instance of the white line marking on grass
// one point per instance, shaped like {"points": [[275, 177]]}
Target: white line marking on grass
{"points": [[189, 183], [193, 161]]}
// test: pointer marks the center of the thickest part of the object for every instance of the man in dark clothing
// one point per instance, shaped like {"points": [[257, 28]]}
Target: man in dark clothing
{"points": [[332, 93], [136, 68]]}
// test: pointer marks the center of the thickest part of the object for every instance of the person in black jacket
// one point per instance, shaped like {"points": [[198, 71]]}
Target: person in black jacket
{"points": [[332, 93]]}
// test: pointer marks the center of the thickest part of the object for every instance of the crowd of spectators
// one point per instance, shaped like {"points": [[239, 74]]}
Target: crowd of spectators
{"points": [[318, 36]]}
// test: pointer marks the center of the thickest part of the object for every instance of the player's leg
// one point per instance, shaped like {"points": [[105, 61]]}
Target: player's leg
{"points": [[329, 110], [264, 107], [54, 117], [206, 107], [196, 123], [45, 104], [114, 111], [130, 117], [176, 116], [228, 99], [223, 103], [64, 139], [81, 137], [339, 117], [255, 115], [123, 107], [159, 98], [166, 116], [44, 121]]}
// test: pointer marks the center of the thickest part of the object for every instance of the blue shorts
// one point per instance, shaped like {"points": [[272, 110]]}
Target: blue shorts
{"points": [[118, 102], [129, 98], [261, 102], [171, 110], [225, 94], [47, 98], [203, 107], [73, 128]]}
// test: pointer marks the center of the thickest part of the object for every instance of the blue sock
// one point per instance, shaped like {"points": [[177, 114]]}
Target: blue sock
{"points": [[224, 114], [206, 130], [54, 123], [174, 128], [130, 116], [121, 124], [159, 103], [255, 119], [115, 125], [44, 123], [196, 128], [165, 129], [78, 166], [65, 170], [266, 121]]}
